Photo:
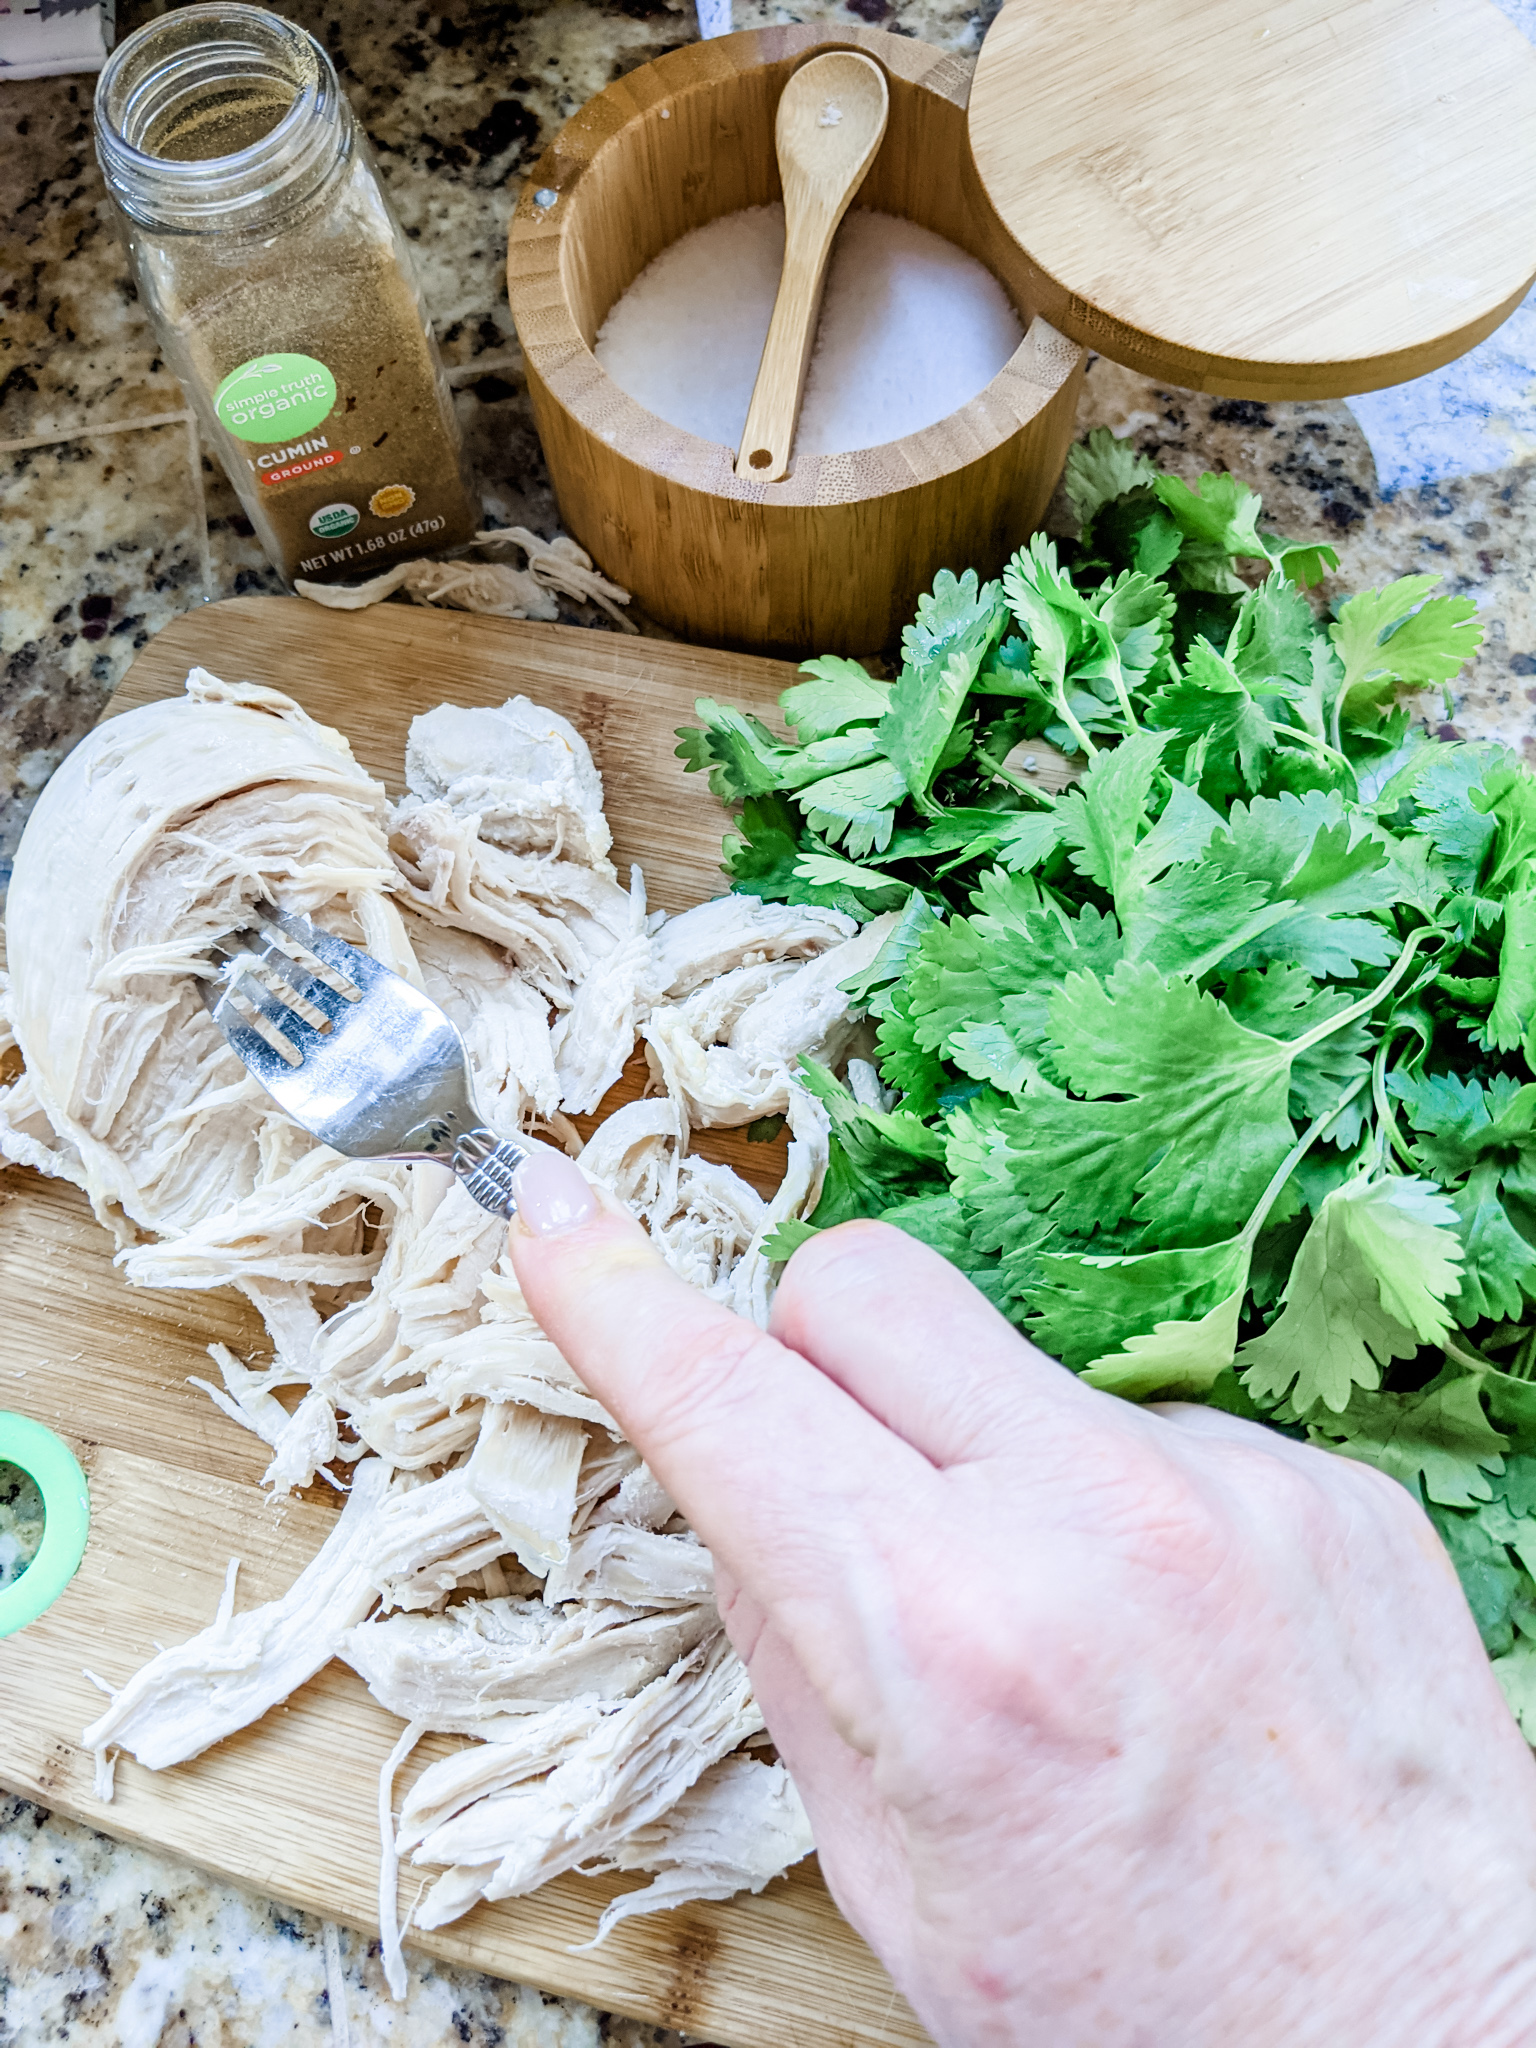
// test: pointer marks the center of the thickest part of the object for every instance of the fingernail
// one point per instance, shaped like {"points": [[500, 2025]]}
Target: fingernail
{"points": [[551, 1193]]}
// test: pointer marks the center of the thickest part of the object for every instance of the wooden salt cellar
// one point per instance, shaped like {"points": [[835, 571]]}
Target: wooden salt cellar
{"points": [[1304, 199], [833, 558]]}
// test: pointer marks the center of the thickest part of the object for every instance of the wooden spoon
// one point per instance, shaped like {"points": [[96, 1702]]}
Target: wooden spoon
{"points": [[831, 118]]}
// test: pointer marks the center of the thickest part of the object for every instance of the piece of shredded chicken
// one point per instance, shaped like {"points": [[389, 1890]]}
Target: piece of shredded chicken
{"points": [[505, 1567]]}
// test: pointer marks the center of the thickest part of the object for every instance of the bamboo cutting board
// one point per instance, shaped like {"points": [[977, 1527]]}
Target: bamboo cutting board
{"points": [[288, 1806]]}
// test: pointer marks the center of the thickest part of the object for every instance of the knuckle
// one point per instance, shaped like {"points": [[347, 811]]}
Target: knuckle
{"points": [[1181, 1536], [828, 1255], [1155, 1509], [710, 1380]]}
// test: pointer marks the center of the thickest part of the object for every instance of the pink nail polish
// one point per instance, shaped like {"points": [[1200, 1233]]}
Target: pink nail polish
{"points": [[551, 1193]]}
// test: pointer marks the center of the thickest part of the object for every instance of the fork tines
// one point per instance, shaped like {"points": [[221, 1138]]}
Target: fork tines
{"points": [[263, 986]]}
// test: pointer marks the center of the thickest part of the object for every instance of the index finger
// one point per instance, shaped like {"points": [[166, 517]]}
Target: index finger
{"points": [[788, 1480]]}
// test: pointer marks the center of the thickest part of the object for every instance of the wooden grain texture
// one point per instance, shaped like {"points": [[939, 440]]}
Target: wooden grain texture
{"points": [[287, 1806], [832, 559], [831, 117], [1294, 199]]}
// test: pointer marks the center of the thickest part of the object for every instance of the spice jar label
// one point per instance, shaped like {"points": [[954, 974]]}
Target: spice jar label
{"points": [[271, 398]]}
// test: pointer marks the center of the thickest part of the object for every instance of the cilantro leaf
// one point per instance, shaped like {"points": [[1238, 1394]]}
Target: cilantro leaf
{"points": [[763, 857], [1102, 467], [1306, 852], [959, 613], [840, 694], [981, 970], [1176, 1359], [875, 889], [1500, 1270], [939, 1221], [1018, 840], [1399, 636], [1084, 1305], [1368, 1286], [1135, 612], [1214, 713], [1102, 818], [1306, 562], [1516, 1673], [925, 702], [1439, 1438], [857, 806], [1283, 1001], [1273, 635], [877, 1157], [1475, 1141], [1195, 912], [1443, 781], [1513, 1014], [1185, 1116], [873, 987], [1508, 796], [1490, 1578], [743, 756], [1219, 512], [1462, 1124]]}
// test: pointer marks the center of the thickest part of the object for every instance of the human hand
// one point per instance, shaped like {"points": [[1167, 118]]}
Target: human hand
{"points": [[1139, 1728]]}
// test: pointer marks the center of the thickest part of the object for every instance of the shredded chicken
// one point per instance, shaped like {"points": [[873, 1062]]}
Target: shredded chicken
{"points": [[189, 1697], [727, 1050], [505, 1568], [495, 587], [476, 1668], [739, 1826], [622, 1770]]}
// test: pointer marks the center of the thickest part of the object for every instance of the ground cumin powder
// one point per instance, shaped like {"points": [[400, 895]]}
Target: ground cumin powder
{"points": [[375, 479], [283, 294]]}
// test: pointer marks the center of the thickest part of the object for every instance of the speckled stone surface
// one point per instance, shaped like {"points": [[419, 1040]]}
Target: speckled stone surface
{"points": [[112, 520], [21, 1522], [107, 1946]]}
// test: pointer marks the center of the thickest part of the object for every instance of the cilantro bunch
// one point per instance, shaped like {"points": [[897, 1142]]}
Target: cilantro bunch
{"points": [[1213, 1071]]}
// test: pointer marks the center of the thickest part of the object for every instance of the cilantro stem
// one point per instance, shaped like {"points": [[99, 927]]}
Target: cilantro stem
{"points": [[1059, 693], [1117, 677], [1293, 1159], [1299, 732], [1469, 1359], [1368, 1002], [1385, 1116]]}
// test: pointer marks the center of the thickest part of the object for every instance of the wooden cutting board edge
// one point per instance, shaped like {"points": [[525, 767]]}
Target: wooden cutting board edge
{"points": [[782, 1970]]}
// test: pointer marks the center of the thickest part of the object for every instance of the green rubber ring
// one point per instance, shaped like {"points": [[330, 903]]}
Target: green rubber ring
{"points": [[52, 1465]]}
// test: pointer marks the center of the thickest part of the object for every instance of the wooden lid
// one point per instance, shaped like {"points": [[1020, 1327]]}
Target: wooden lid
{"points": [[1265, 198]]}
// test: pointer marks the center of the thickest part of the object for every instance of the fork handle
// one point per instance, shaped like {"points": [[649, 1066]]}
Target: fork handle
{"points": [[486, 1164]]}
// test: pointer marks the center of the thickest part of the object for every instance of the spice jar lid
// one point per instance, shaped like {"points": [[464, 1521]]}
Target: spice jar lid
{"points": [[1300, 198]]}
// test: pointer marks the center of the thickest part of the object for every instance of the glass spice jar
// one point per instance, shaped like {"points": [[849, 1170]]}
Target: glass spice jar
{"points": [[281, 289]]}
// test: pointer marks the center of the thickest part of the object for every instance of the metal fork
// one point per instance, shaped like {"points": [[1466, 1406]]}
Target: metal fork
{"points": [[353, 1053]]}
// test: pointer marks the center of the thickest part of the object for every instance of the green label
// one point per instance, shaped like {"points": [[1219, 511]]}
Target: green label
{"points": [[272, 398], [332, 520]]}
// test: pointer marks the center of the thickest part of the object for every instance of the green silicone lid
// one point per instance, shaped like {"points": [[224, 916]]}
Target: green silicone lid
{"points": [[49, 1461]]}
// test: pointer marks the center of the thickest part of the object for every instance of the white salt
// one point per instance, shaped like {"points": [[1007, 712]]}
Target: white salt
{"points": [[911, 329]]}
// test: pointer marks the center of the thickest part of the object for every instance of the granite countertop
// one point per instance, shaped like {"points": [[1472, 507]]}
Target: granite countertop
{"points": [[115, 520]]}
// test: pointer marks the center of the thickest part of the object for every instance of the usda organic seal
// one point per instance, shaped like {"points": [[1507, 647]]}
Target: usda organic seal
{"points": [[332, 521]]}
